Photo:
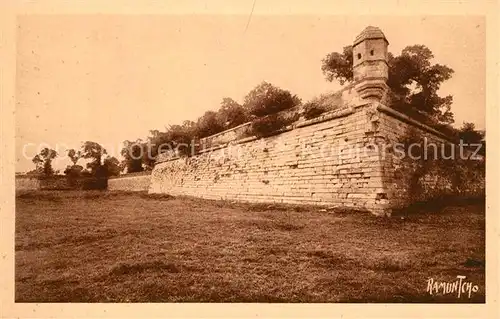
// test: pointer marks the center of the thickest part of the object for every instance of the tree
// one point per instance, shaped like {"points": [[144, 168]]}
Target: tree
{"points": [[209, 124], [182, 134], [231, 113], [43, 161], [469, 135], [133, 153], [338, 66], [151, 149], [73, 171], [74, 155], [99, 165], [177, 139], [38, 161], [413, 80], [93, 151], [266, 99], [111, 167]]}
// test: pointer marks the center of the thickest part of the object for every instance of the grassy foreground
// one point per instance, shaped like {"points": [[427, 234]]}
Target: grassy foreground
{"points": [[130, 247]]}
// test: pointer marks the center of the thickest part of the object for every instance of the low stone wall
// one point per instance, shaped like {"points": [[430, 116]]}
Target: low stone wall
{"points": [[35, 183], [24, 183], [59, 182], [130, 182]]}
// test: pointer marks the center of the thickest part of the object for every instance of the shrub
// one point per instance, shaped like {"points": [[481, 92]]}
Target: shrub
{"points": [[176, 140], [209, 124], [231, 114], [272, 124], [313, 109], [133, 153], [266, 99]]}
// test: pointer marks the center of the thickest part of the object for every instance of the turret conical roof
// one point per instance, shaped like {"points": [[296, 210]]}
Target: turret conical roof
{"points": [[370, 32]]}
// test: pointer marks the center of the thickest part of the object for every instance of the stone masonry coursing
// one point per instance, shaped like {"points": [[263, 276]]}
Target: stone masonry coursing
{"points": [[328, 163], [343, 161], [130, 183], [338, 159]]}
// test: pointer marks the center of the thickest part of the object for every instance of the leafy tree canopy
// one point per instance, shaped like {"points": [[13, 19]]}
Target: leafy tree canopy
{"points": [[74, 170], [266, 99], [132, 153], [209, 124], [74, 155], [111, 166], [413, 79], [231, 113], [263, 100], [43, 161], [469, 135], [94, 152]]}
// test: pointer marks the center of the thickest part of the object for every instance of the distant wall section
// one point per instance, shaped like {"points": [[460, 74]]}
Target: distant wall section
{"points": [[59, 182], [24, 183], [130, 182]]}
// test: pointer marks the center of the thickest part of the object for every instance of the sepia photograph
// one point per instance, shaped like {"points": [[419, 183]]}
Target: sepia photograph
{"points": [[250, 158]]}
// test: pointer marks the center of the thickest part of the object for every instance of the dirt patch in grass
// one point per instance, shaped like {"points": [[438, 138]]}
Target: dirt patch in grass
{"points": [[133, 247]]}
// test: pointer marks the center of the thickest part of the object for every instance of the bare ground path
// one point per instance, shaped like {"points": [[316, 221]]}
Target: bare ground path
{"points": [[118, 247]]}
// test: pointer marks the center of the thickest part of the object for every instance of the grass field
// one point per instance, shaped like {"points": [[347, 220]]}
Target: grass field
{"points": [[132, 247]]}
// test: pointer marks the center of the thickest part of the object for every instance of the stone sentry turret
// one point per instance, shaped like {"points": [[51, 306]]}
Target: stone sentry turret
{"points": [[370, 66]]}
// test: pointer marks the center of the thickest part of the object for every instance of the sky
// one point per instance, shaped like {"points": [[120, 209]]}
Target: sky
{"points": [[110, 78]]}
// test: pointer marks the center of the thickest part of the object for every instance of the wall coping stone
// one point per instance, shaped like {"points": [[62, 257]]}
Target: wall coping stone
{"points": [[143, 173], [405, 118], [322, 118], [224, 132]]}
